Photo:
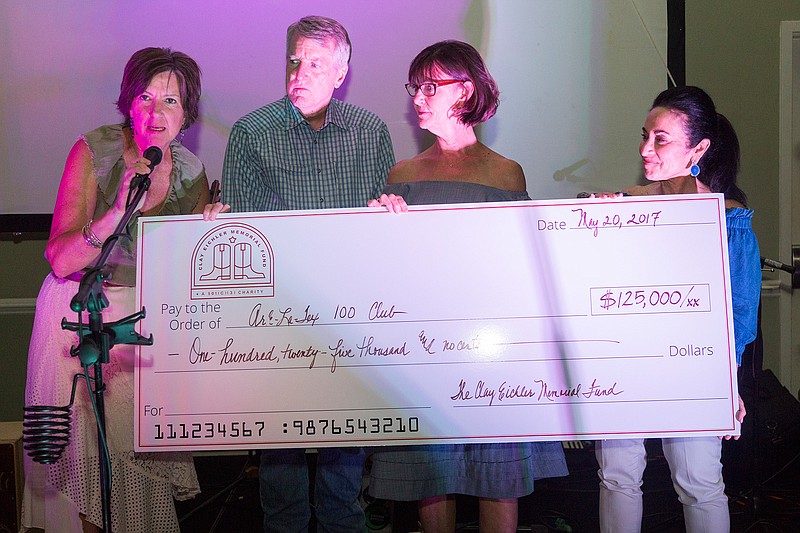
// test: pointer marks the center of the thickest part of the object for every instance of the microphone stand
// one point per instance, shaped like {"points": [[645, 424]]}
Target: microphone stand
{"points": [[97, 339]]}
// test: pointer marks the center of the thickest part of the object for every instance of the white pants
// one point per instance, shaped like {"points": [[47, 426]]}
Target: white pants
{"points": [[696, 475]]}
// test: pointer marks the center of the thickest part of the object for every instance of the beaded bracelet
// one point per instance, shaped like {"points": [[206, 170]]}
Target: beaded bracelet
{"points": [[90, 237]]}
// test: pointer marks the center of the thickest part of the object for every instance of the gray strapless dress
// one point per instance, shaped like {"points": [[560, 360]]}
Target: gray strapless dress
{"points": [[495, 470]]}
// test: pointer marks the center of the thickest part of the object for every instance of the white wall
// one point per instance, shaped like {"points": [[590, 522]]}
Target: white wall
{"points": [[576, 76]]}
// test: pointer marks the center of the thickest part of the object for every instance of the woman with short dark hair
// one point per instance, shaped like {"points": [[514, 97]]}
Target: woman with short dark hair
{"points": [[453, 91], [158, 99]]}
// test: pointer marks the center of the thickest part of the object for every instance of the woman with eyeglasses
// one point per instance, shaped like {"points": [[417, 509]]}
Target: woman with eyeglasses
{"points": [[453, 92]]}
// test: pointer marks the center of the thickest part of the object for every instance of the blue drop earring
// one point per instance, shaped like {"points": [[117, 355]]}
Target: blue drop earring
{"points": [[695, 170]]}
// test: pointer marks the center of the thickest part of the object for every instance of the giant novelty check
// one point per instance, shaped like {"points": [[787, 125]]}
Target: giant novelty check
{"points": [[520, 321]]}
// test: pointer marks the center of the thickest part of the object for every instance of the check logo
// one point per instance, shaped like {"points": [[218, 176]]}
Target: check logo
{"points": [[233, 260]]}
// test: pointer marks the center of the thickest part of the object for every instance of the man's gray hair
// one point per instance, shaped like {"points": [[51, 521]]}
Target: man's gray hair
{"points": [[322, 29]]}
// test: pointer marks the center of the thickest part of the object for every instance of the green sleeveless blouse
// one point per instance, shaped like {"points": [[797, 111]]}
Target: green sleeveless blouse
{"points": [[188, 179]]}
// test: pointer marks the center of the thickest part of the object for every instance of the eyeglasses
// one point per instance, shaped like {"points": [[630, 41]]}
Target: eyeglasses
{"points": [[429, 87]]}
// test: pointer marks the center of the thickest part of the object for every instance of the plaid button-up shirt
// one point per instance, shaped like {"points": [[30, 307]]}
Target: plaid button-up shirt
{"points": [[276, 161]]}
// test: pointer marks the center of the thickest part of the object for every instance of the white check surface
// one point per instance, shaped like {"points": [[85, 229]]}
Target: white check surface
{"points": [[543, 320]]}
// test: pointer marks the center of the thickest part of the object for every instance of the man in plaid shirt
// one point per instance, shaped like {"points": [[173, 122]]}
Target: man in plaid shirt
{"points": [[309, 151]]}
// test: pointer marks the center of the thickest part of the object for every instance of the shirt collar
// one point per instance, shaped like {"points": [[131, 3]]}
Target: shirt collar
{"points": [[333, 115]]}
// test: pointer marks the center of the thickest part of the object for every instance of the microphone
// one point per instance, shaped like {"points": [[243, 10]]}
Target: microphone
{"points": [[154, 155], [566, 173], [777, 264]]}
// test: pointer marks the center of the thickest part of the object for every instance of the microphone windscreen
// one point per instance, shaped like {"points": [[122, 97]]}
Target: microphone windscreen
{"points": [[154, 155]]}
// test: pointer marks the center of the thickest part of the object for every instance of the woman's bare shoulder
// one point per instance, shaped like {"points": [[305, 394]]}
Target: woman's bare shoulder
{"points": [[730, 204], [643, 190], [506, 173], [406, 170]]}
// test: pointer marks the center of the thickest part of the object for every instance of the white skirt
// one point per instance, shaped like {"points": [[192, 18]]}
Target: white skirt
{"points": [[143, 484]]}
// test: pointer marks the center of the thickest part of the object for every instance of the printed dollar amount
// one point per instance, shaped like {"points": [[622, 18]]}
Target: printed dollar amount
{"points": [[651, 299]]}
